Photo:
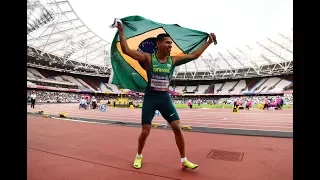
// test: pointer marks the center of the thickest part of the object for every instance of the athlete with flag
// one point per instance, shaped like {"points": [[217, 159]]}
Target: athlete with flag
{"points": [[159, 67]]}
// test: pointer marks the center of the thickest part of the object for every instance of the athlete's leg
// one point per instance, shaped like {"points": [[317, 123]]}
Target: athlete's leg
{"points": [[141, 142], [175, 126], [148, 109], [169, 112], [143, 137]]}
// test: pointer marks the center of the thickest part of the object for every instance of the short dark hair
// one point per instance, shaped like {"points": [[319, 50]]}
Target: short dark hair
{"points": [[161, 36]]}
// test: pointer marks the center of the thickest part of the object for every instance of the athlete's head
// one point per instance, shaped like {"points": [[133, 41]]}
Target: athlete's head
{"points": [[164, 43]]}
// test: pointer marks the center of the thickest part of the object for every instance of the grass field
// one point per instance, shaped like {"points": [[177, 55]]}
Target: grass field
{"points": [[182, 106]]}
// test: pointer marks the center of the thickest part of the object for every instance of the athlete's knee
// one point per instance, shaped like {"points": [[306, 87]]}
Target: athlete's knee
{"points": [[145, 133], [145, 130], [175, 126]]}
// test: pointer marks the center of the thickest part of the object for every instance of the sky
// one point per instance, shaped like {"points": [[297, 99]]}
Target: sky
{"points": [[234, 22]]}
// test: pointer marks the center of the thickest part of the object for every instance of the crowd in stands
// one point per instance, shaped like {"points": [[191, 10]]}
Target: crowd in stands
{"points": [[52, 96], [288, 100], [54, 85], [203, 99]]}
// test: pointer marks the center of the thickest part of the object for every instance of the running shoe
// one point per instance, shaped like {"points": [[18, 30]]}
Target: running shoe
{"points": [[137, 162], [189, 165]]}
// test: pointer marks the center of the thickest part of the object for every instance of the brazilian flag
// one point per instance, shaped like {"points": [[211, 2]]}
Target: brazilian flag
{"points": [[141, 35]]}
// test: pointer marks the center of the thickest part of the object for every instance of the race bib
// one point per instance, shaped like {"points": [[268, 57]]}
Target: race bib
{"points": [[159, 83]]}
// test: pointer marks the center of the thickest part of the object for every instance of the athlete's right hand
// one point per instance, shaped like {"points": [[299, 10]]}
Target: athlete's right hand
{"points": [[120, 26], [212, 37]]}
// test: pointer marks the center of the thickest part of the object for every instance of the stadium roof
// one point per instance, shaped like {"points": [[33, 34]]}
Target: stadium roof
{"points": [[56, 30], [272, 55]]}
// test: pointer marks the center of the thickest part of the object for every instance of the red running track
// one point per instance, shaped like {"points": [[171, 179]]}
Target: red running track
{"points": [[60, 149], [268, 120]]}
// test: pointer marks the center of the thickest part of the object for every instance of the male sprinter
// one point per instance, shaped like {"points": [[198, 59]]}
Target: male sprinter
{"points": [[159, 67]]}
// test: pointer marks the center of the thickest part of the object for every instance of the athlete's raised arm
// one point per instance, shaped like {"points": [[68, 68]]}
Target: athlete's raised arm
{"points": [[139, 56], [197, 53]]}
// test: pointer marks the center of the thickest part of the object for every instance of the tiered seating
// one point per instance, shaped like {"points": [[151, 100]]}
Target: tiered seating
{"points": [[258, 86], [250, 84], [93, 82], [35, 72], [179, 89], [227, 86], [74, 81], [281, 85], [114, 88], [202, 89], [191, 88], [217, 87], [85, 84], [269, 84], [239, 87], [30, 74], [104, 88], [30, 83]]}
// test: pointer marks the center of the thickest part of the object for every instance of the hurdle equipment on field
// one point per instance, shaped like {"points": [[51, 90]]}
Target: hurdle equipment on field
{"points": [[235, 109], [185, 127], [46, 116], [155, 124], [63, 115]]}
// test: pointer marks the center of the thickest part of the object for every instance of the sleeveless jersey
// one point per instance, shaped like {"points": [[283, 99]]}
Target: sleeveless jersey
{"points": [[159, 75]]}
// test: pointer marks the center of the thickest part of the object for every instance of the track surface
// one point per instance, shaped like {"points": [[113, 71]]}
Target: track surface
{"points": [[268, 120], [59, 149]]}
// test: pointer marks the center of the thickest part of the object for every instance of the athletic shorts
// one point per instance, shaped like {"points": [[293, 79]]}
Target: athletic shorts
{"points": [[160, 101]]}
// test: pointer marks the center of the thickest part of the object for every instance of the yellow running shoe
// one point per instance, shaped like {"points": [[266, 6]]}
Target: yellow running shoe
{"points": [[137, 162], [189, 165]]}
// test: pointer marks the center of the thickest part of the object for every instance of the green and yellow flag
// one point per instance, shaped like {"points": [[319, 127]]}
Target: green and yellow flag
{"points": [[141, 34]]}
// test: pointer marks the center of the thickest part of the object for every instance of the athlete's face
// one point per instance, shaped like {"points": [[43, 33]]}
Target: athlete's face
{"points": [[165, 46]]}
